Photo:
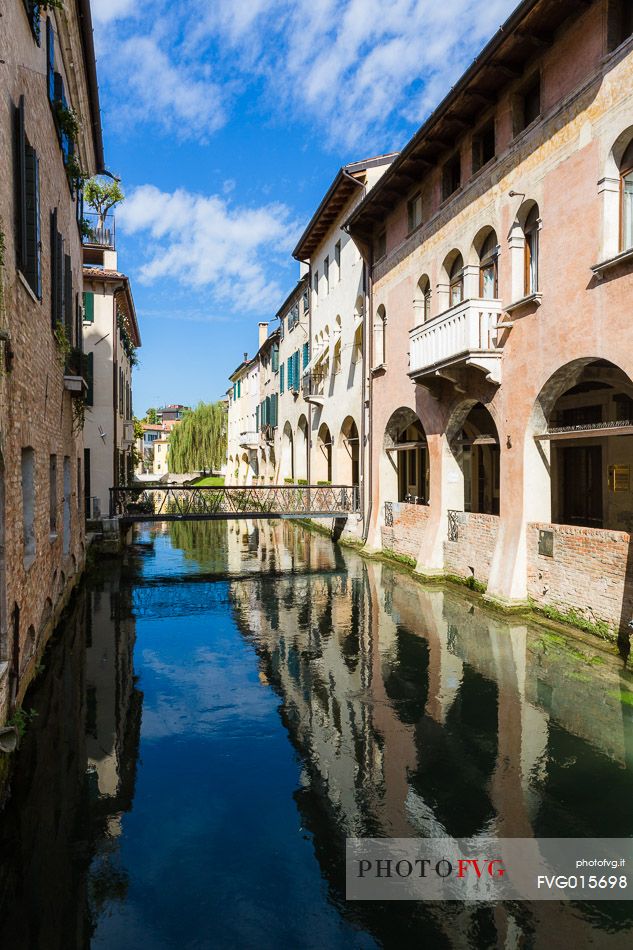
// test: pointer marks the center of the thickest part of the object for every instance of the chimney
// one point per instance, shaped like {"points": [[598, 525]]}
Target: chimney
{"points": [[263, 333]]}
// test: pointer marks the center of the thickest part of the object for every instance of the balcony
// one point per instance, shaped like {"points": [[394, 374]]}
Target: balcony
{"points": [[99, 232], [249, 439], [465, 335], [313, 386]]}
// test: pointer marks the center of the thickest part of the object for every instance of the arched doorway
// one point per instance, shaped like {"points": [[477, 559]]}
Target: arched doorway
{"points": [[348, 454], [583, 429], [287, 454], [323, 459], [477, 448], [302, 448], [405, 472]]}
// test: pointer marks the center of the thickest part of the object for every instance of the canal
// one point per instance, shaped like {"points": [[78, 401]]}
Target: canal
{"points": [[229, 701]]}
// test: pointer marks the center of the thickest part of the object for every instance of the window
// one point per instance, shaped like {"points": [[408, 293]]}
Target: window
{"points": [[89, 307], [484, 147], [626, 199], [380, 245], [28, 502], [456, 281], [531, 232], [57, 273], [337, 259], [33, 13], [414, 211], [326, 274], [379, 336], [28, 216], [422, 302], [451, 176], [619, 22], [527, 104], [488, 274], [66, 521], [52, 495]]}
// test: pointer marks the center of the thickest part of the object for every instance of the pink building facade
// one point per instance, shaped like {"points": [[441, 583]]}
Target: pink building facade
{"points": [[500, 247]]}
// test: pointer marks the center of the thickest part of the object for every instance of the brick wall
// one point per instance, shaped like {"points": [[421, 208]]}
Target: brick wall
{"points": [[471, 554], [590, 573], [406, 533]]}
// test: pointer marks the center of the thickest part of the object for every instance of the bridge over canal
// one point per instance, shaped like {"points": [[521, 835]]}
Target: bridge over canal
{"points": [[163, 502]]}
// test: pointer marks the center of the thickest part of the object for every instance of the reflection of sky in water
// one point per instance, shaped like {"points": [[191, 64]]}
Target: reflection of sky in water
{"points": [[214, 847]]}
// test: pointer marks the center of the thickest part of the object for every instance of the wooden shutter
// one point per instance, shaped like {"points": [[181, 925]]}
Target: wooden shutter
{"points": [[68, 298], [89, 306], [20, 175], [50, 59], [89, 363]]}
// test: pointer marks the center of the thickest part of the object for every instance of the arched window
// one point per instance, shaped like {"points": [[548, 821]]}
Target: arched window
{"points": [[626, 199], [531, 233], [456, 281], [379, 336], [422, 301], [488, 274]]}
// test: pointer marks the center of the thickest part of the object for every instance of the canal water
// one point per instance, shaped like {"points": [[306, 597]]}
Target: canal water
{"points": [[225, 705]]}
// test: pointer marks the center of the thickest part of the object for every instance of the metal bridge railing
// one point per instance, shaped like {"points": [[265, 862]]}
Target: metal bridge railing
{"points": [[162, 502]]}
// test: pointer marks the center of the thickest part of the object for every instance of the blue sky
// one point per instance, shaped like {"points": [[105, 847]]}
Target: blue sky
{"points": [[226, 122]]}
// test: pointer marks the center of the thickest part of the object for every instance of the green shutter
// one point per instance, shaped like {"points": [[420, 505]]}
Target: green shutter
{"points": [[89, 307]]}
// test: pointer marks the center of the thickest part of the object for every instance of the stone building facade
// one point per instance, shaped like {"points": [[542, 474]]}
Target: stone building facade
{"points": [[500, 244], [48, 67]]}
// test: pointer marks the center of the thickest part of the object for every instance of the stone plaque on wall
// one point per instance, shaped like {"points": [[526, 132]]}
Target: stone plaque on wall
{"points": [[546, 543]]}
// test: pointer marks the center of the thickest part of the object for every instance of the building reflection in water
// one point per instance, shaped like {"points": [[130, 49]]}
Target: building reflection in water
{"points": [[417, 713], [75, 778]]}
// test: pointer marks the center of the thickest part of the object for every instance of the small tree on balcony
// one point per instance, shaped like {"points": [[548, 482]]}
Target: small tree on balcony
{"points": [[103, 195]]}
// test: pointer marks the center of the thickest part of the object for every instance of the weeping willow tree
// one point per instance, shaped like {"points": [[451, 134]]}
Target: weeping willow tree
{"points": [[199, 442]]}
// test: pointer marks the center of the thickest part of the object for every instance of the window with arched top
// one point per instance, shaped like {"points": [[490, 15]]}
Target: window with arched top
{"points": [[531, 233], [422, 301], [456, 281], [626, 199], [488, 271], [379, 336]]}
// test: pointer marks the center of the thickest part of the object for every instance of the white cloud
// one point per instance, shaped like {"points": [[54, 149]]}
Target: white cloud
{"points": [[202, 241], [354, 68], [105, 11]]}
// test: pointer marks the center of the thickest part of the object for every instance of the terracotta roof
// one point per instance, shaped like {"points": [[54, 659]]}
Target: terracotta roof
{"points": [[115, 276]]}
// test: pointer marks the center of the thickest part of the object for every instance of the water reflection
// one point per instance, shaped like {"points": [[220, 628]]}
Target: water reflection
{"points": [[294, 694]]}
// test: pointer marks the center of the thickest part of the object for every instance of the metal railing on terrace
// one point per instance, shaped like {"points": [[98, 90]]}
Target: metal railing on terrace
{"points": [[99, 230]]}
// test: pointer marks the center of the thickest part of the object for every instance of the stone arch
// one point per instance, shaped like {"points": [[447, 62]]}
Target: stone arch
{"points": [[287, 453], [323, 457], [302, 448], [580, 480], [404, 463], [348, 454], [473, 437]]}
